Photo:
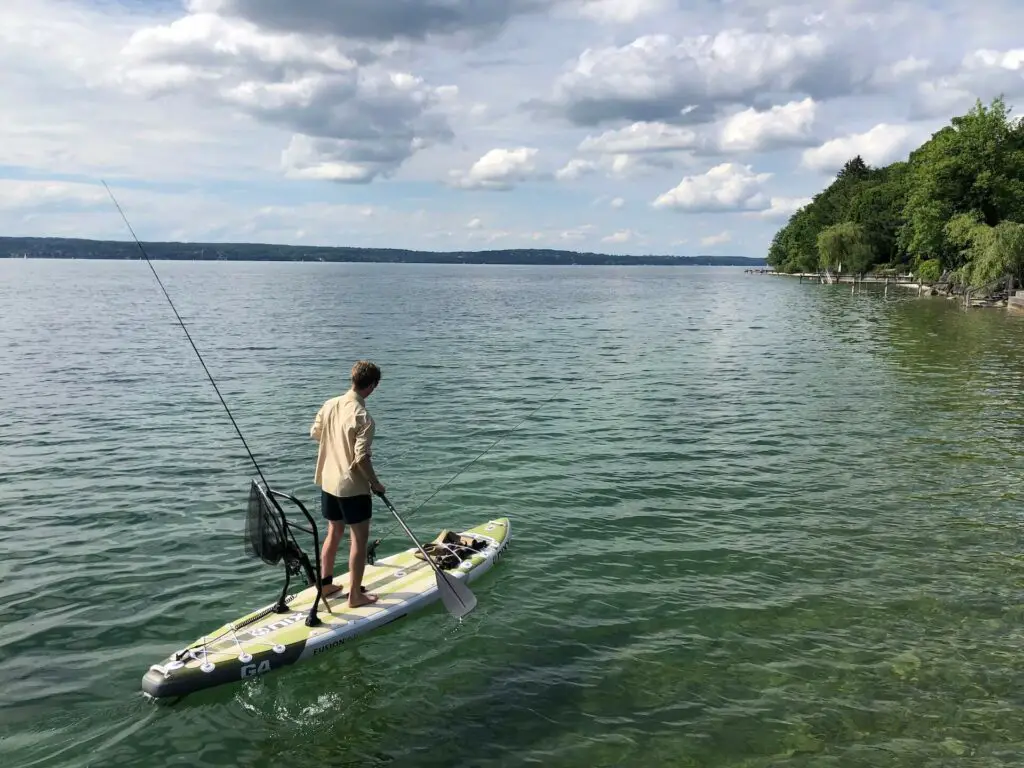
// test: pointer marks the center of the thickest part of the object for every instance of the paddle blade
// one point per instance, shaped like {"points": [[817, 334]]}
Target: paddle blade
{"points": [[458, 599]]}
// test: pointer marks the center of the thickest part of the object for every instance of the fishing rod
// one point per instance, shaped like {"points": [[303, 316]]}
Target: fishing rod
{"points": [[371, 550], [456, 597], [268, 546], [187, 334]]}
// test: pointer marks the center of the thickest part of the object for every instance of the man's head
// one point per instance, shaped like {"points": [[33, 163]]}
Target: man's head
{"points": [[365, 377]]}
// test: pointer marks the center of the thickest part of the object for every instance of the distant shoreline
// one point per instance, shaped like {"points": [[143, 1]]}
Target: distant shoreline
{"points": [[82, 248]]}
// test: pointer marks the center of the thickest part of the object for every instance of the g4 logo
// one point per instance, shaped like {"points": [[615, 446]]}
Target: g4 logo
{"points": [[249, 670]]}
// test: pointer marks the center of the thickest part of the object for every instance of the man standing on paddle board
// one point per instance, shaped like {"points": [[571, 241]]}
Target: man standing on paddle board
{"points": [[346, 478]]}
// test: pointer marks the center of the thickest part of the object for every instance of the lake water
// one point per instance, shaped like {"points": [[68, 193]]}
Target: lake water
{"points": [[757, 522]]}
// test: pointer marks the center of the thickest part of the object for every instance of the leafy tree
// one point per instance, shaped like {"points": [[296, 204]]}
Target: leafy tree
{"points": [[989, 253], [796, 246], [929, 271], [973, 166], [846, 245], [878, 208], [955, 204], [1004, 254], [853, 169]]}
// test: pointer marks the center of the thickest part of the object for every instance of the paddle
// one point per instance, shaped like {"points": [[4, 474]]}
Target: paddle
{"points": [[455, 595]]}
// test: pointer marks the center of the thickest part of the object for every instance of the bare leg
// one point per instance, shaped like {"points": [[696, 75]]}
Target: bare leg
{"points": [[335, 533], [358, 534]]}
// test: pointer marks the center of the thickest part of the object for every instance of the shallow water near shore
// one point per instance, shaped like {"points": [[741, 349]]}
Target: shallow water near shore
{"points": [[757, 522]]}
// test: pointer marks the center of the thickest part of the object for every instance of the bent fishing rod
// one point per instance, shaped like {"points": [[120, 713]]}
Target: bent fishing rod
{"points": [[189, 336]]}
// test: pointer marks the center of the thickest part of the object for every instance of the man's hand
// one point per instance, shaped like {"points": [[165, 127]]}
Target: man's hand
{"points": [[366, 467]]}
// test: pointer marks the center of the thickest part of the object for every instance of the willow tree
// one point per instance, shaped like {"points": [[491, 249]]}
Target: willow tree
{"points": [[848, 245], [986, 253]]}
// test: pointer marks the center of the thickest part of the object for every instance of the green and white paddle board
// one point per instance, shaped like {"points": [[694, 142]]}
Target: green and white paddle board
{"points": [[264, 640]]}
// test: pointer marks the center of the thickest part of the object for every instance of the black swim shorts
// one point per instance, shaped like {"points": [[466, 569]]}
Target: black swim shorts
{"points": [[348, 509]]}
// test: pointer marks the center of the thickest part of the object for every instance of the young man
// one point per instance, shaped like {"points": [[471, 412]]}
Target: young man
{"points": [[346, 478]]}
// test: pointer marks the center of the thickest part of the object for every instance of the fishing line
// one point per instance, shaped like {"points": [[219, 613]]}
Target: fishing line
{"points": [[405, 452], [187, 334], [372, 549]]}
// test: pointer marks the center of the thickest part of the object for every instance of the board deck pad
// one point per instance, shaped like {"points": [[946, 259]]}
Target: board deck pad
{"points": [[264, 640]]}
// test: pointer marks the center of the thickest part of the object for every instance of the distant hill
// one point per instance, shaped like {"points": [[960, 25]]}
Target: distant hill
{"points": [[75, 248]]}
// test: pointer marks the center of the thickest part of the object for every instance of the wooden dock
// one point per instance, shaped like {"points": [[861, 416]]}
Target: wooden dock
{"points": [[1007, 297], [827, 277]]}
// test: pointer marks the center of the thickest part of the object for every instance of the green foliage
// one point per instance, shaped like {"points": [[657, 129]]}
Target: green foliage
{"points": [[845, 245], [929, 271], [956, 205], [869, 198], [986, 254]]}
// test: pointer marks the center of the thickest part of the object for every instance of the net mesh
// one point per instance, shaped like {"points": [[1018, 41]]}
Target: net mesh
{"points": [[265, 536]]}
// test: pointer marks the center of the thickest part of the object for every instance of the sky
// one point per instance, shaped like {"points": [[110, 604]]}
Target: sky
{"points": [[616, 126]]}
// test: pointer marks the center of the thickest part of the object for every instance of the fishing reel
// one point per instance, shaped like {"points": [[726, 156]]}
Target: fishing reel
{"points": [[371, 552]]}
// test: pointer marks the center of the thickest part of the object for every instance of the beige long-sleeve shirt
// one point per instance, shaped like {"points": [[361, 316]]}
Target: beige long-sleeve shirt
{"points": [[345, 431]]}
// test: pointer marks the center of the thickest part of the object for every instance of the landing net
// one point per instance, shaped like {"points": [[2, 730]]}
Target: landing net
{"points": [[265, 534]]}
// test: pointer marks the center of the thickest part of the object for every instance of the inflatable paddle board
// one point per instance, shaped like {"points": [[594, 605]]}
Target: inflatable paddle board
{"points": [[266, 640]]}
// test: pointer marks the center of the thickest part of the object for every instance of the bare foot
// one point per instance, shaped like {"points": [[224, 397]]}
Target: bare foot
{"points": [[361, 599], [329, 589]]}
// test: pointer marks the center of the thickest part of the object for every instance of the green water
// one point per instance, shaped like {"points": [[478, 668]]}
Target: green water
{"points": [[757, 523]]}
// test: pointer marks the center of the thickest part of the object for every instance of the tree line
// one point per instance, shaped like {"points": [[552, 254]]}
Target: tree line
{"points": [[952, 211], [79, 248]]}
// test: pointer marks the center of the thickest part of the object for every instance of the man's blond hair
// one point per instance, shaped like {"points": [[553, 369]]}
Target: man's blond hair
{"points": [[365, 374]]}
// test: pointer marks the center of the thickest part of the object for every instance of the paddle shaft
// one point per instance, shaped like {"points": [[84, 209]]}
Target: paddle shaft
{"points": [[441, 578]]}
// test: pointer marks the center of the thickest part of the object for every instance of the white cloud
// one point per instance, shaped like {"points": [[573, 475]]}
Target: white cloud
{"points": [[622, 236], [641, 137], [211, 46], [899, 71], [66, 109], [499, 169], [351, 122], [986, 58], [619, 11], [983, 72], [618, 166], [752, 130], [719, 239], [576, 233], [726, 187], [16, 195], [780, 207], [879, 146], [660, 78], [575, 169], [634, 166]]}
